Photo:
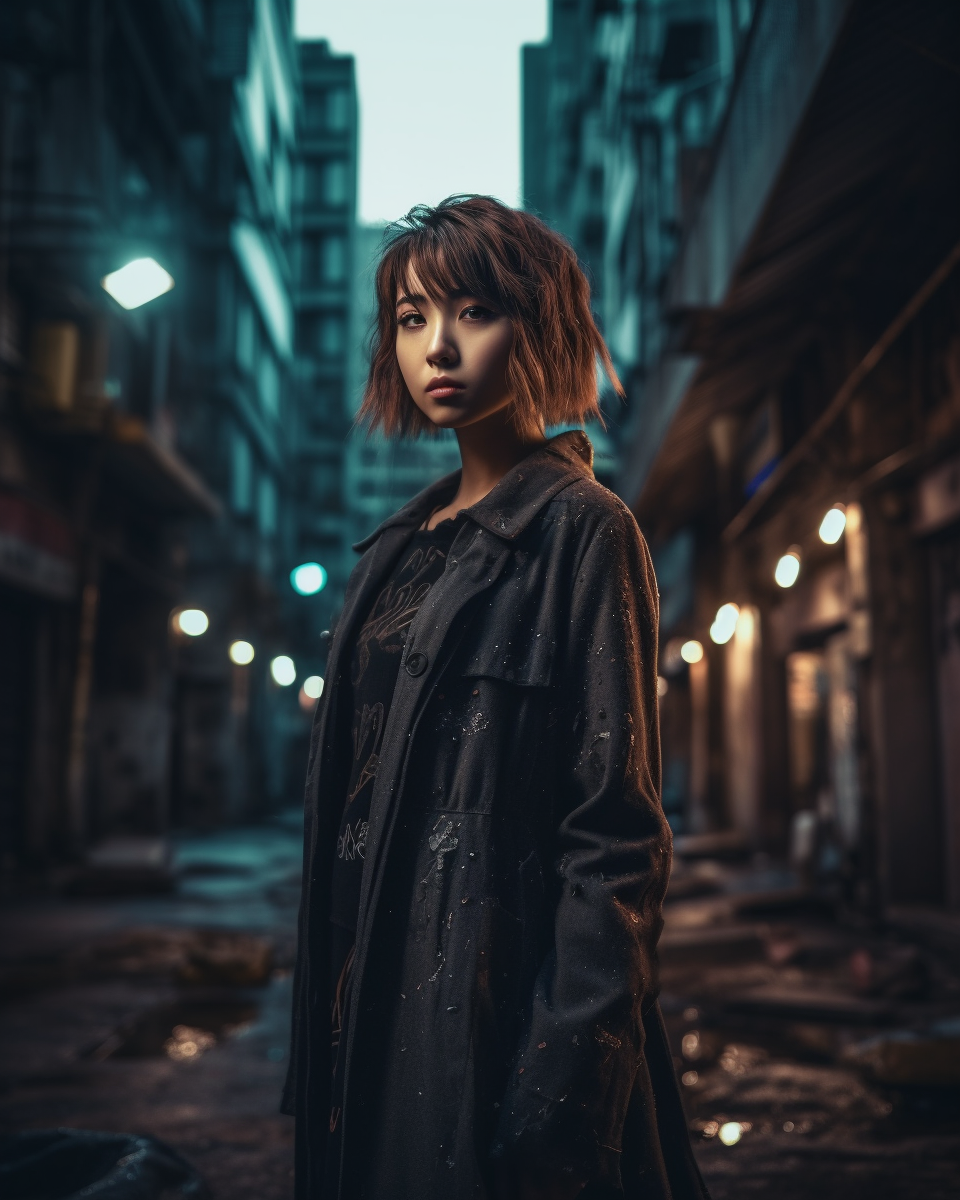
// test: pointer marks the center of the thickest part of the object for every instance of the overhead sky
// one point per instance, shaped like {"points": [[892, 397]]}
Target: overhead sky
{"points": [[439, 84]]}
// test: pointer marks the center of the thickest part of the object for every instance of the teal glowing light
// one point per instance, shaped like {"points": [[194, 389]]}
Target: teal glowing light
{"points": [[137, 283], [308, 579]]}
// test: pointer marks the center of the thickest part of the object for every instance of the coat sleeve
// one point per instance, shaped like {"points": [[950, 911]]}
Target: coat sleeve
{"points": [[571, 1083]]}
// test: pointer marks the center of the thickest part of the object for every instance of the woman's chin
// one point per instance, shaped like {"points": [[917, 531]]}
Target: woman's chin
{"points": [[445, 417]]}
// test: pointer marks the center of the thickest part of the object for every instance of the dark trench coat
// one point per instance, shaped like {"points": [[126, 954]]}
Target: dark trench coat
{"points": [[505, 981]]}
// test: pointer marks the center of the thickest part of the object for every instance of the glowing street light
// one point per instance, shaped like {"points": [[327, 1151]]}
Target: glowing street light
{"points": [[308, 579], [833, 524], [692, 651], [724, 623], [191, 621], [283, 670], [137, 283], [788, 568], [241, 653]]}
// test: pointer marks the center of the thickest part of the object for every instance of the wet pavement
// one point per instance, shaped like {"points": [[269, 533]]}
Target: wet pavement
{"points": [[120, 1018], [820, 1057]]}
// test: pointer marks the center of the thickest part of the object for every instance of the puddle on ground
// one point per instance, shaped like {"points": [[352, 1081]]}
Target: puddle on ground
{"points": [[183, 1031], [749, 1076]]}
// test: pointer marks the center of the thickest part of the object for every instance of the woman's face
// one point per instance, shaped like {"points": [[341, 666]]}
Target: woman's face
{"points": [[453, 356]]}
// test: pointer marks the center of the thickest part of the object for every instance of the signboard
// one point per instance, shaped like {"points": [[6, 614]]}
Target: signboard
{"points": [[37, 549]]}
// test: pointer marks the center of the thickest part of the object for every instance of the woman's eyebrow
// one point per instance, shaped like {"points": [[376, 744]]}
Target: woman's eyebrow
{"points": [[413, 298]]}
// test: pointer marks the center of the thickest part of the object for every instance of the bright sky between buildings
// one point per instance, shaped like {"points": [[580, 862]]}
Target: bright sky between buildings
{"points": [[439, 85]]}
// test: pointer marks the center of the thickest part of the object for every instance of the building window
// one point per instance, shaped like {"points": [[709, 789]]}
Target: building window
{"points": [[268, 379], [323, 260], [335, 183], [323, 335], [323, 182], [246, 335], [330, 335], [281, 185], [338, 110], [326, 109], [310, 182], [267, 505], [314, 109], [241, 473], [333, 259]]}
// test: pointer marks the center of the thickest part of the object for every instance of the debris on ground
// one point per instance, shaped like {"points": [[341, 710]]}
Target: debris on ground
{"points": [[74, 1163], [911, 1057], [124, 866]]}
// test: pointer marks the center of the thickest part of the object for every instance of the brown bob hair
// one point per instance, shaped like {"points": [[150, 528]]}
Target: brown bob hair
{"points": [[519, 266]]}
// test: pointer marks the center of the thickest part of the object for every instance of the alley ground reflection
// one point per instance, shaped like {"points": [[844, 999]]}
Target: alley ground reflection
{"points": [[168, 1015], [164, 1014]]}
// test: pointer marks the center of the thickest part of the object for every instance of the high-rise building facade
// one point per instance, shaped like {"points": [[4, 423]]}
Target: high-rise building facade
{"points": [[325, 214], [164, 458], [746, 182]]}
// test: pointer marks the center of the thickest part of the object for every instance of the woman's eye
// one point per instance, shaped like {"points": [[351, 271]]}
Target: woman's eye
{"points": [[476, 312], [410, 318]]}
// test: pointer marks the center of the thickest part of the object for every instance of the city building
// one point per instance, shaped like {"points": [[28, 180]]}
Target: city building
{"points": [[791, 438], [325, 217], [159, 480]]}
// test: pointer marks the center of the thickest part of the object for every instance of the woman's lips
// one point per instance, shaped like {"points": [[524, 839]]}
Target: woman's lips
{"points": [[443, 389]]}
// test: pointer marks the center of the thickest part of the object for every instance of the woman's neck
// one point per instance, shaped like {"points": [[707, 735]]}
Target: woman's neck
{"points": [[488, 450]]}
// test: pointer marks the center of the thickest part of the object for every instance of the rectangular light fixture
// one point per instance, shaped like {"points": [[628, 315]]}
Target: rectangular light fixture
{"points": [[137, 283]]}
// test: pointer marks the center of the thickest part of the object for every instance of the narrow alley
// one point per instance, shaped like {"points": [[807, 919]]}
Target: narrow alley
{"points": [[818, 1056]]}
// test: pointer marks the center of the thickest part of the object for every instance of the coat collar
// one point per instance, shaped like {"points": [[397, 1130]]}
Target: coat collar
{"points": [[512, 504]]}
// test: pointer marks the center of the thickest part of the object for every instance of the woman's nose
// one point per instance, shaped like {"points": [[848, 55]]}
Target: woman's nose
{"points": [[442, 348]]}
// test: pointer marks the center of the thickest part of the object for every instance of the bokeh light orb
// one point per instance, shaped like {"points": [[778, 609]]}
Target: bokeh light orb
{"points": [[788, 569], [283, 670], [191, 621], [308, 579], [833, 524], [313, 686], [691, 651], [724, 623], [730, 1133], [241, 653]]}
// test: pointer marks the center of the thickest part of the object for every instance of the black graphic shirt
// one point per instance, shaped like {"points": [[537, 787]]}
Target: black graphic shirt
{"points": [[373, 677]]}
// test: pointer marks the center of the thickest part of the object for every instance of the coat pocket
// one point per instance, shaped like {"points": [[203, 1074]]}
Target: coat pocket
{"points": [[525, 661]]}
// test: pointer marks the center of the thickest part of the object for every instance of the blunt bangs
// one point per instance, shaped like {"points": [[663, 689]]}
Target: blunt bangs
{"points": [[477, 246]]}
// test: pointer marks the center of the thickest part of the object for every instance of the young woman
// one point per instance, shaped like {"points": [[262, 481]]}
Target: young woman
{"points": [[475, 1013]]}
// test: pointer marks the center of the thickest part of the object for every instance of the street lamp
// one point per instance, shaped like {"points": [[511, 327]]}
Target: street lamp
{"points": [[139, 282]]}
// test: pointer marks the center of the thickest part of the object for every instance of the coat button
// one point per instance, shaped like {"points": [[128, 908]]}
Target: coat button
{"points": [[416, 663]]}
